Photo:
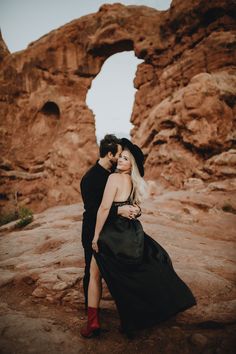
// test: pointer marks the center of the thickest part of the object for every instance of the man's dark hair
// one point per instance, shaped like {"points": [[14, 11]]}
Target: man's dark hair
{"points": [[109, 144]]}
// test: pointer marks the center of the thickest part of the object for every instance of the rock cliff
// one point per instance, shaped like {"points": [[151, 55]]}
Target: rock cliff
{"points": [[184, 109]]}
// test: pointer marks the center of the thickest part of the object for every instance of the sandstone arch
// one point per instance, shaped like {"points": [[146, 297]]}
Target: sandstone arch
{"points": [[183, 87]]}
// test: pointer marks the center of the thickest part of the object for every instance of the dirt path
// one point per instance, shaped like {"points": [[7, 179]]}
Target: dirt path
{"points": [[37, 328]]}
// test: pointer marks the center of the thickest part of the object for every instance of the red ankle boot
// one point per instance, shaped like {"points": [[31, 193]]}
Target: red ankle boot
{"points": [[93, 327]]}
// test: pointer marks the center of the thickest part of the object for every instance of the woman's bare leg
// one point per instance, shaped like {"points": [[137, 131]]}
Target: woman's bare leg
{"points": [[92, 328], [95, 285]]}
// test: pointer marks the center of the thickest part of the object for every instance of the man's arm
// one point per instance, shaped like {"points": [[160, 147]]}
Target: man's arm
{"points": [[87, 193]]}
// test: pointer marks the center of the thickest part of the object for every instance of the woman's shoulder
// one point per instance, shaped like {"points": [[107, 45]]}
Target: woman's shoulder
{"points": [[113, 181], [116, 178]]}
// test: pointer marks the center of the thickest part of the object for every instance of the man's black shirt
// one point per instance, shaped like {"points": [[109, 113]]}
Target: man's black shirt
{"points": [[92, 186]]}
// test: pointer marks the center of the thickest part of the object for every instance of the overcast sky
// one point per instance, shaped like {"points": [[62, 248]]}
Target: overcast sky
{"points": [[111, 96]]}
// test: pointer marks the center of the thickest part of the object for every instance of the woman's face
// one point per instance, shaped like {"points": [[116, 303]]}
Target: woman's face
{"points": [[124, 163]]}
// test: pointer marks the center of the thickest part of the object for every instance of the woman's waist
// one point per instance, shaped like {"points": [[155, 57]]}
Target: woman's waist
{"points": [[121, 223]]}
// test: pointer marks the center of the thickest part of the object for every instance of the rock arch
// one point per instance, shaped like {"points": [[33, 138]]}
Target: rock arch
{"points": [[183, 87]]}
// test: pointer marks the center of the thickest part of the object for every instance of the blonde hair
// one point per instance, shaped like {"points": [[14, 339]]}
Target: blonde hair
{"points": [[139, 190]]}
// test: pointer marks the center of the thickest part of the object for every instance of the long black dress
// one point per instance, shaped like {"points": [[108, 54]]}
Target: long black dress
{"points": [[139, 275]]}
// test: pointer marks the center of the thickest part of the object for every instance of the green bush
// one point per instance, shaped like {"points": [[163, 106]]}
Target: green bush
{"points": [[24, 221], [24, 214], [26, 217], [8, 217]]}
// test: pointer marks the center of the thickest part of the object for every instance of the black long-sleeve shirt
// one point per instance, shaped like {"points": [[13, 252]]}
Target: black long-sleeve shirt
{"points": [[92, 187]]}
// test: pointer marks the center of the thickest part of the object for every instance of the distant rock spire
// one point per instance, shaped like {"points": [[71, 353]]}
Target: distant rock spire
{"points": [[4, 51]]}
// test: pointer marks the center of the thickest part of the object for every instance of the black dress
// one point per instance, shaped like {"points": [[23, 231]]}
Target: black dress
{"points": [[139, 275]]}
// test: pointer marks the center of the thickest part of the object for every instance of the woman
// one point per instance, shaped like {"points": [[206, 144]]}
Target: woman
{"points": [[137, 270]]}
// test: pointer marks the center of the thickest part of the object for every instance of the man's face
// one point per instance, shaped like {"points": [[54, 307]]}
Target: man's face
{"points": [[114, 158]]}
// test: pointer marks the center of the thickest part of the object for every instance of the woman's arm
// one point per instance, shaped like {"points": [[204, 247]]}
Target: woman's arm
{"points": [[103, 211]]}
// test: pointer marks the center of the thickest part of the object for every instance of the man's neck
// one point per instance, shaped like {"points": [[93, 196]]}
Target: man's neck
{"points": [[105, 163]]}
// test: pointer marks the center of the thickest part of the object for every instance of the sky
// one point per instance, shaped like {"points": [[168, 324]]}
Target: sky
{"points": [[112, 93]]}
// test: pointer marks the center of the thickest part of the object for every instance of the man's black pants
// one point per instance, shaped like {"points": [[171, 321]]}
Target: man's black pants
{"points": [[88, 252]]}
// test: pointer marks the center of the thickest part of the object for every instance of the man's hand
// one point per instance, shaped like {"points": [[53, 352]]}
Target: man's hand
{"points": [[138, 210], [128, 211]]}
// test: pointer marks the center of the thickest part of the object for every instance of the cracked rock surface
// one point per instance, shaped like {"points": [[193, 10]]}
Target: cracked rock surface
{"points": [[42, 268]]}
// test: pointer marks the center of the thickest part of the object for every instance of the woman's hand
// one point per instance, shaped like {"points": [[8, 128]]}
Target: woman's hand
{"points": [[95, 244]]}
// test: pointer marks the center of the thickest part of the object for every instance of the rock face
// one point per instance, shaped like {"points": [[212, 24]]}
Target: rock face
{"points": [[4, 51], [184, 107]]}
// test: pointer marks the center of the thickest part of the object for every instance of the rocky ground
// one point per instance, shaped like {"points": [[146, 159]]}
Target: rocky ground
{"points": [[42, 267]]}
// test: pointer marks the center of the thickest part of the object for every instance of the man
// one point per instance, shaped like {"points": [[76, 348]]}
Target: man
{"points": [[92, 187]]}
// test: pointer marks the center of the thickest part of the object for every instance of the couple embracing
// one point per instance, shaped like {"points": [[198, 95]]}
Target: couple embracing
{"points": [[137, 270]]}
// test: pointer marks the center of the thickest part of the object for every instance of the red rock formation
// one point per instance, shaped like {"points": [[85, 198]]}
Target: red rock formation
{"points": [[183, 111], [4, 51]]}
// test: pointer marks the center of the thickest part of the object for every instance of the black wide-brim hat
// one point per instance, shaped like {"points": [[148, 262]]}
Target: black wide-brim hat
{"points": [[136, 152]]}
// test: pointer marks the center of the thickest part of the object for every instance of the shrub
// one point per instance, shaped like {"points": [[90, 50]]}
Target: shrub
{"points": [[26, 217], [24, 212], [25, 221], [8, 217]]}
